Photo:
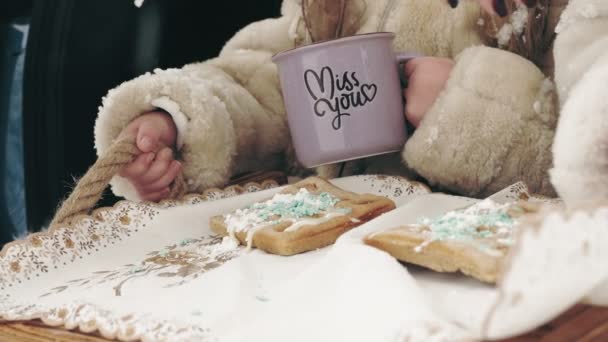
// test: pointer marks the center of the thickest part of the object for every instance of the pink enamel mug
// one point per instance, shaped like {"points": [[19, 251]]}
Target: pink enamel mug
{"points": [[343, 98]]}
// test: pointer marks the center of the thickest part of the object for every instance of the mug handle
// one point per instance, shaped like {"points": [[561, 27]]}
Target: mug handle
{"points": [[401, 59]]}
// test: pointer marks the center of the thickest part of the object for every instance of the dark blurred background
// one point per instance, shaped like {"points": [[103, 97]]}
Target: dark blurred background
{"points": [[59, 57]]}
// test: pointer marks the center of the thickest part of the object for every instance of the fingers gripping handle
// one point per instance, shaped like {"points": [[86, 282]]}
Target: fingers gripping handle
{"points": [[405, 57], [402, 59]]}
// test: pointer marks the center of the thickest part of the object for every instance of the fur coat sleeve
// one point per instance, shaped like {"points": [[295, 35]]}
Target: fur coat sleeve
{"points": [[581, 143], [228, 110], [493, 125]]}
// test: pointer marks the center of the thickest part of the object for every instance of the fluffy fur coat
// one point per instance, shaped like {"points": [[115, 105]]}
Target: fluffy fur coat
{"points": [[493, 125]]}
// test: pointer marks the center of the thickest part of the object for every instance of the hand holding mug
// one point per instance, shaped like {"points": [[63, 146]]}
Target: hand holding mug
{"points": [[427, 77]]}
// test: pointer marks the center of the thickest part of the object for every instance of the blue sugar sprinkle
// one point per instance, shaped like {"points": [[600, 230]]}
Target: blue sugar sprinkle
{"points": [[305, 206], [454, 227]]}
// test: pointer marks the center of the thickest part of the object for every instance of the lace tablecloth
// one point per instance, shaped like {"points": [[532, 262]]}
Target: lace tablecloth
{"points": [[156, 272]]}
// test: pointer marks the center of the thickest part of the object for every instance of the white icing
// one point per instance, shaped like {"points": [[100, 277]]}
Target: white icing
{"points": [[462, 220], [228, 244], [421, 246], [250, 221], [252, 232], [313, 221]]}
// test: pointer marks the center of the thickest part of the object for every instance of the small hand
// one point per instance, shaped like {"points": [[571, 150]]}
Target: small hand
{"points": [[153, 171], [427, 77]]}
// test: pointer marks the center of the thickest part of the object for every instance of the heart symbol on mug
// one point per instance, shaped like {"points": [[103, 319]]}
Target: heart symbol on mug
{"points": [[318, 85], [369, 91]]}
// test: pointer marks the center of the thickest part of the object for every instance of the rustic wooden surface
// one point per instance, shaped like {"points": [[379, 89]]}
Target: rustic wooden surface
{"points": [[581, 323]]}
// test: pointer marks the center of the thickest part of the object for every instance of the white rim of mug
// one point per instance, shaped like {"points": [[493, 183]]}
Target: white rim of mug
{"points": [[332, 42]]}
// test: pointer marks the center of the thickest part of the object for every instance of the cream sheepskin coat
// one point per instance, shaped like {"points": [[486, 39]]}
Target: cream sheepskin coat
{"points": [[494, 124]]}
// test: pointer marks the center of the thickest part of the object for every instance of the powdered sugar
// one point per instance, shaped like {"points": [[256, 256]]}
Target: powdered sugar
{"points": [[515, 26], [504, 34], [353, 293], [484, 220], [228, 245], [519, 19]]}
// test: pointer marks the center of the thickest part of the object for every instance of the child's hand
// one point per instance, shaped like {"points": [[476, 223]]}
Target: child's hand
{"points": [[427, 77], [153, 171]]}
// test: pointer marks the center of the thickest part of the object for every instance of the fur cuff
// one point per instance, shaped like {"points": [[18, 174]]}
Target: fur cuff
{"points": [[180, 120], [122, 187], [491, 127], [209, 140]]}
